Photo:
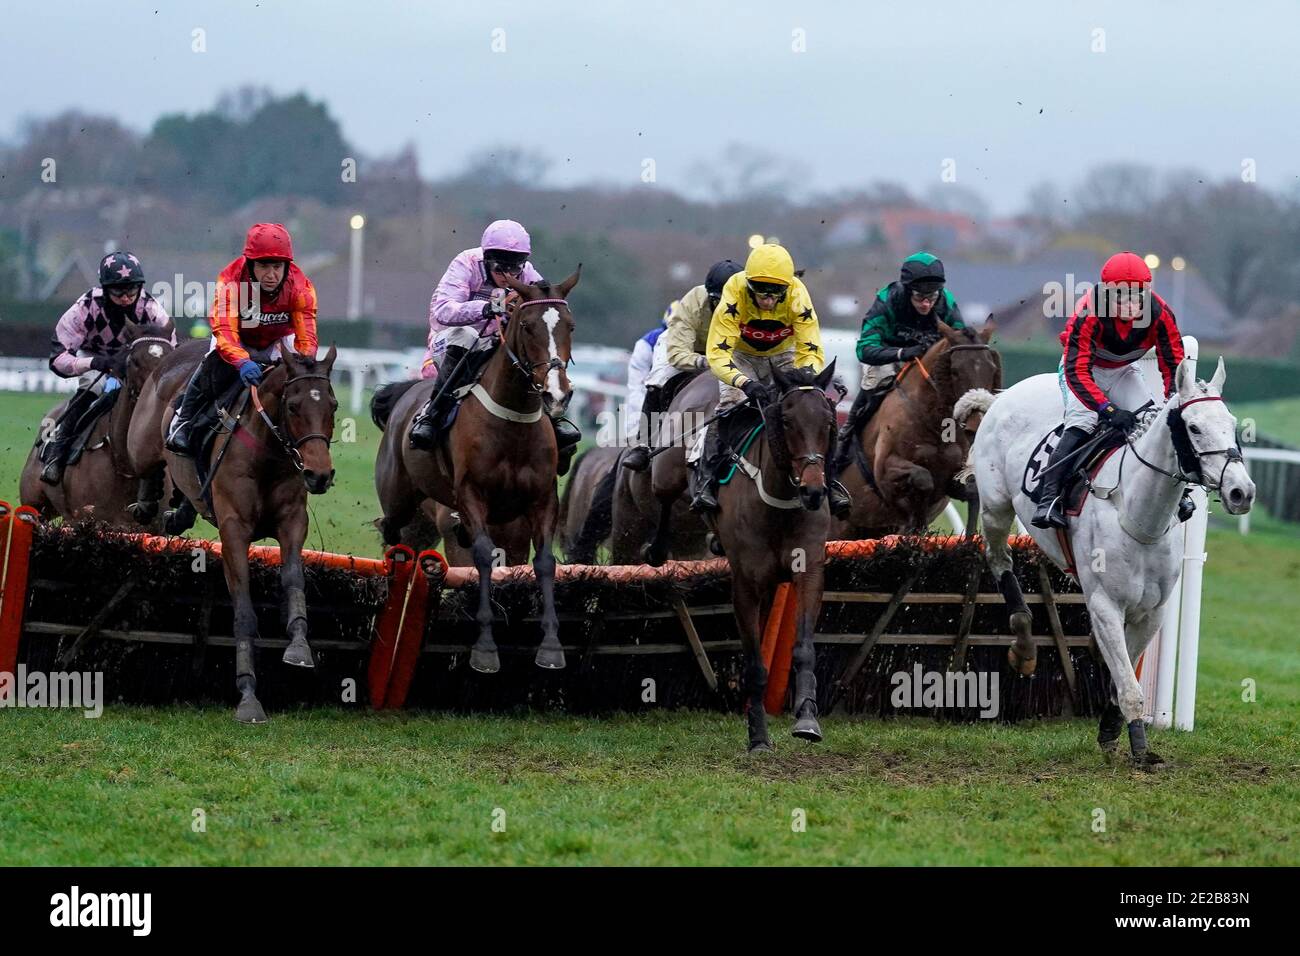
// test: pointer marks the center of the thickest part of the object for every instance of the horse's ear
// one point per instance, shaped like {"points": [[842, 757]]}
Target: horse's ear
{"points": [[1185, 379], [330, 356], [824, 377], [1220, 376], [986, 333], [567, 285], [523, 288], [947, 331]]}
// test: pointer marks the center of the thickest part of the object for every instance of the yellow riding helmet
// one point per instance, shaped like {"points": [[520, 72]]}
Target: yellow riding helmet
{"points": [[770, 263]]}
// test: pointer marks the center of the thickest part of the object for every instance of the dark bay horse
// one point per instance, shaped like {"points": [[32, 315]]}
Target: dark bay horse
{"points": [[586, 507], [497, 464], [102, 483], [918, 441], [652, 519], [772, 523], [279, 452]]}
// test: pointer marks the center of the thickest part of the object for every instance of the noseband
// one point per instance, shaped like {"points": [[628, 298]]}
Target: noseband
{"points": [[289, 445], [526, 368]]}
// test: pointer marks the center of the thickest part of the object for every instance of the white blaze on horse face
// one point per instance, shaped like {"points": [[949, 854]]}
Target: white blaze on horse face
{"points": [[315, 394], [552, 318], [155, 351]]}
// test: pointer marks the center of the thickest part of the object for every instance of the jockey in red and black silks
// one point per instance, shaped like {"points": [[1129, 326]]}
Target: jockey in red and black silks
{"points": [[1113, 326]]}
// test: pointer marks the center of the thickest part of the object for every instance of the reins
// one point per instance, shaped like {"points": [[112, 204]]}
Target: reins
{"points": [[290, 447], [1230, 454]]}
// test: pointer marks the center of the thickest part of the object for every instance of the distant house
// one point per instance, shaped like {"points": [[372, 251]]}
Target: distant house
{"points": [[902, 230]]}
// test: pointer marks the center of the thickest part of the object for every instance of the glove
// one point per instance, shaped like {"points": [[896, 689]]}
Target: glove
{"points": [[250, 373], [701, 362], [1118, 418], [497, 301], [911, 352], [101, 363], [756, 392], [111, 385]]}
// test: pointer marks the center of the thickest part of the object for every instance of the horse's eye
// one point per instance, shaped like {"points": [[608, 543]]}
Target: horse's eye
{"points": [[293, 408], [1193, 429]]}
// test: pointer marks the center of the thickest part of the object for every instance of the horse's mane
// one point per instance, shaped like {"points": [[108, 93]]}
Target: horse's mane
{"points": [[1154, 415]]}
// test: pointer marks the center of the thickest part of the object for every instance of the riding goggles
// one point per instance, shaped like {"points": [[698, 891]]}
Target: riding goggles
{"points": [[778, 289]]}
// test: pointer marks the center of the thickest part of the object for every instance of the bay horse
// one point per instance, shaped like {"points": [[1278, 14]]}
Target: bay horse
{"points": [[1129, 519], [279, 451], [652, 519], [918, 442], [586, 506], [772, 522], [498, 461], [101, 483]]}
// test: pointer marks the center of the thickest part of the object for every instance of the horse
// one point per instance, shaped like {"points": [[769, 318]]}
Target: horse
{"points": [[586, 507], [101, 483], [498, 461], [651, 515], [911, 454], [1129, 520], [278, 453], [772, 523]]}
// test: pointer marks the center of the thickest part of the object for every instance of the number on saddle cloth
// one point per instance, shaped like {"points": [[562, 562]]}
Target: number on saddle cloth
{"points": [[1074, 487]]}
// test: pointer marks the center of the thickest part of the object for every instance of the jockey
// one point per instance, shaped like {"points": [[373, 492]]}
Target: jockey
{"points": [[638, 369], [87, 339], [680, 350], [1112, 327], [262, 300], [466, 314], [764, 320], [902, 324]]}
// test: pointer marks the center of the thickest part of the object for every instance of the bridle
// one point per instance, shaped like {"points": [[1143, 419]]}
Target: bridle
{"points": [[526, 368], [800, 463], [912, 411], [1230, 454], [288, 444]]}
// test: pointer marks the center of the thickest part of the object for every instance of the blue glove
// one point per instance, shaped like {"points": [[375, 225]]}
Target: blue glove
{"points": [[111, 385], [250, 373]]}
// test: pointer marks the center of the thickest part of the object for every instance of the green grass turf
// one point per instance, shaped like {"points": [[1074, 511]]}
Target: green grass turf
{"points": [[1278, 419], [347, 787]]}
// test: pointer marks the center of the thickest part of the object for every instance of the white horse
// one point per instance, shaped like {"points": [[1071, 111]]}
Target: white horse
{"points": [[1125, 540]]}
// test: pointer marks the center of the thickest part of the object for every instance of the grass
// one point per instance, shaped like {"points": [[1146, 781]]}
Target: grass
{"points": [[333, 786], [1278, 419]]}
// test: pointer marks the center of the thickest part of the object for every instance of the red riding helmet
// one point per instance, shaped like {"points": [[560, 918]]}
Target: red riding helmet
{"points": [[268, 240], [1126, 267]]}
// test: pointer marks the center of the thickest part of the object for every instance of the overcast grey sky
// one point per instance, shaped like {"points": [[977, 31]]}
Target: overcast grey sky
{"points": [[883, 90]]}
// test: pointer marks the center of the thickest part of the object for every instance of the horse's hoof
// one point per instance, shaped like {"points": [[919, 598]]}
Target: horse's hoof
{"points": [[550, 658], [715, 545], [1109, 746], [652, 557], [485, 662], [298, 654], [143, 511], [1024, 666], [760, 747], [177, 521], [250, 711], [808, 729], [1148, 758]]}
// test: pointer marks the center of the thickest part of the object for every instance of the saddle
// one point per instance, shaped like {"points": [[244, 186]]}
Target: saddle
{"points": [[738, 431], [457, 387], [1074, 488], [859, 414], [212, 421]]}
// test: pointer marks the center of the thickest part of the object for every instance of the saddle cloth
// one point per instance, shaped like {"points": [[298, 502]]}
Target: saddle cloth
{"points": [[1074, 489]]}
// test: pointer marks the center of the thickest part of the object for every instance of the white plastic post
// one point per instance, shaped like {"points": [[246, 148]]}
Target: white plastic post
{"points": [[954, 519], [1166, 648], [1189, 623]]}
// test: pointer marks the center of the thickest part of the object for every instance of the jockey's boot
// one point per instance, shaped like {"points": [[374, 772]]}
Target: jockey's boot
{"points": [[56, 453], [567, 437], [704, 475], [1051, 509], [838, 498], [638, 459], [180, 435], [424, 428], [1186, 506]]}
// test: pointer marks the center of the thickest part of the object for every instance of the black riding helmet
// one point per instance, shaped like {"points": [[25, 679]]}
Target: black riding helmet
{"points": [[718, 276], [118, 269], [922, 272]]}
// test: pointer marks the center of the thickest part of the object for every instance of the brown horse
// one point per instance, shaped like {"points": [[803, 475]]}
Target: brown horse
{"points": [[586, 507], [279, 452], [497, 463], [652, 517], [772, 523], [918, 441], [101, 483]]}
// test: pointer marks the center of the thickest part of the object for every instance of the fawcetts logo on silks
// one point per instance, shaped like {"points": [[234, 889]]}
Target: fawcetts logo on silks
{"points": [[254, 319], [765, 333]]}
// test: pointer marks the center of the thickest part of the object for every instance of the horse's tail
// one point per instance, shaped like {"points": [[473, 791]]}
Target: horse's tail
{"points": [[599, 522], [385, 397]]}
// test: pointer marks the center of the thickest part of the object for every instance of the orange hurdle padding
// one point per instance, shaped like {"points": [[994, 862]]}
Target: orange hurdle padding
{"points": [[778, 666], [262, 553], [401, 561], [16, 528]]}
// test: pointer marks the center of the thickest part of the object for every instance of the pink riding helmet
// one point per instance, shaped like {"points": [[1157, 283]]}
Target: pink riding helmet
{"points": [[507, 235]]}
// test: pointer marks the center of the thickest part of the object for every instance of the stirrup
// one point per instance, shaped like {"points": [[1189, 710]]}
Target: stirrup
{"points": [[1050, 515]]}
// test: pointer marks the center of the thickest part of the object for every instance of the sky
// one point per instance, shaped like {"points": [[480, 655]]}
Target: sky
{"points": [[997, 96]]}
